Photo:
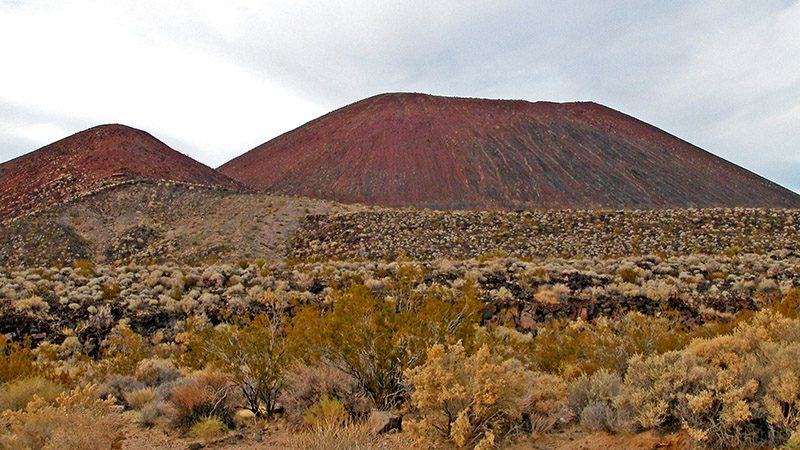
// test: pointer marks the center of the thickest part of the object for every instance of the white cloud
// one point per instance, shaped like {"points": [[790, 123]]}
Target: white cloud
{"points": [[214, 79]]}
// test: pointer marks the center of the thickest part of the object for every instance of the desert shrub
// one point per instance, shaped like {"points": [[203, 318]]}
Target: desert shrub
{"points": [[123, 350], [76, 419], [545, 402], [598, 417], [507, 343], [255, 355], [326, 412], [16, 394], [306, 385], [628, 275], [794, 441], [655, 385], [789, 305], [208, 428], [375, 340], [203, 394], [154, 411], [156, 371], [462, 397], [599, 388], [552, 295], [16, 360], [110, 292], [83, 267], [736, 390], [140, 397], [118, 386], [575, 348]]}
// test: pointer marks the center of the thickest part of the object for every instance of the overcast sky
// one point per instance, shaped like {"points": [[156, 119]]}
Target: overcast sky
{"points": [[215, 78]]}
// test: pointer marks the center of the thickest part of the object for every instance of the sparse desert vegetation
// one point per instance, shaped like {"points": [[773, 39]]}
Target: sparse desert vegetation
{"points": [[294, 323], [487, 352]]}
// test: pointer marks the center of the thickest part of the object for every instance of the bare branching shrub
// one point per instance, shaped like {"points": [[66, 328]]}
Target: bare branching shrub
{"points": [[306, 385], [202, 395]]}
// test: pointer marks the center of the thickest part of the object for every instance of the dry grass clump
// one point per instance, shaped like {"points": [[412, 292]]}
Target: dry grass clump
{"points": [[351, 436], [208, 428], [139, 398], [327, 412]]}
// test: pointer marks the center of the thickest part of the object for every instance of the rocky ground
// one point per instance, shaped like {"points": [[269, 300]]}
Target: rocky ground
{"points": [[88, 301], [534, 234]]}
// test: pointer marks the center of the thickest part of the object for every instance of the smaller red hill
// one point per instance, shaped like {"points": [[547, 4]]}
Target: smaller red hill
{"points": [[89, 160]]}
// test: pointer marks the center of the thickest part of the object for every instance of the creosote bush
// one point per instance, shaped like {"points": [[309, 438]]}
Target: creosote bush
{"points": [[16, 360], [254, 354], [374, 340]]}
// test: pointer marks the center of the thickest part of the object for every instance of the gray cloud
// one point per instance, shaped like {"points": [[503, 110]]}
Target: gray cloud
{"points": [[724, 75]]}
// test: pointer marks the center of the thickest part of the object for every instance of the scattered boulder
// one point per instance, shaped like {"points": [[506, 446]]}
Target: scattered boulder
{"points": [[384, 421]]}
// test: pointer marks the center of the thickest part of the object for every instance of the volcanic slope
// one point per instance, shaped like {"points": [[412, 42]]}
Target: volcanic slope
{"points": [[99, 157], [441, 152]]}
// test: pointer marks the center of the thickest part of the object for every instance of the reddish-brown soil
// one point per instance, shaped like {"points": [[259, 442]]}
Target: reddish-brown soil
{"points": [[428, 151], [92, 159]]}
